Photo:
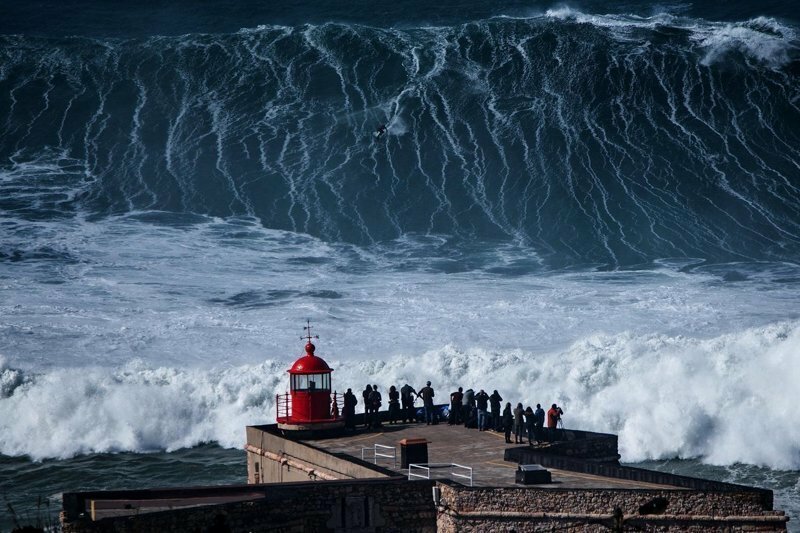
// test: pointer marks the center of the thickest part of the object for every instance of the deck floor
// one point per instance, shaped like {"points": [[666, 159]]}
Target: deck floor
{"points": [[481, 450]]}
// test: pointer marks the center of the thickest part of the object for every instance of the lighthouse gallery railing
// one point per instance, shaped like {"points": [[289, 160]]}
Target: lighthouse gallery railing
{"points": [[283, 405]]}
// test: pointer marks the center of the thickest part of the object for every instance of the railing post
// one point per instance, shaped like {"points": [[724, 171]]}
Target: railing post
{"points": [[335, 408]]}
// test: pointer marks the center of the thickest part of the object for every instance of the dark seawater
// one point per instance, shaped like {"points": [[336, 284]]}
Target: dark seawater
{"points": [[43, 482], [595, 203]]}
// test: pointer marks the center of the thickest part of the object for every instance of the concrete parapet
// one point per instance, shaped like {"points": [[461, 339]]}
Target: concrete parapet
{"points": [[530, 509]]}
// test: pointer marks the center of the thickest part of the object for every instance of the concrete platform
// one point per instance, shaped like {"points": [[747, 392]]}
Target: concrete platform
{"points": [[481, 450]]}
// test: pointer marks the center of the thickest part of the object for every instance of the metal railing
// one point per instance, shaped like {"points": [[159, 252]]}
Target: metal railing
{"points": [[375, 453], [424, 469], [283, 405]]}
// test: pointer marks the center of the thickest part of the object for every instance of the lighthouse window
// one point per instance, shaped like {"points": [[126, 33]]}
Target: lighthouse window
{"points": [[311, 382], [300, 382]]}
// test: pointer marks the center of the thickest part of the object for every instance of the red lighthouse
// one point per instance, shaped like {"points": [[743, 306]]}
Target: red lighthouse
{"points": [[308, 406]]}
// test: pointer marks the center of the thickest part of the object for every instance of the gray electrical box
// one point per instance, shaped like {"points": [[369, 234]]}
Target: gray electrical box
{"points": [[533, 475]]}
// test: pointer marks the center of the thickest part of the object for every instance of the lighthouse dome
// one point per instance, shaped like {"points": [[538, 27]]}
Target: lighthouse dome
{"points": [[310, 363]]}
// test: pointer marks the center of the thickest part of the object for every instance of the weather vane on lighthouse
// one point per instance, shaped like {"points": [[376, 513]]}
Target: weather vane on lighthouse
{"points": [[308, 336]]}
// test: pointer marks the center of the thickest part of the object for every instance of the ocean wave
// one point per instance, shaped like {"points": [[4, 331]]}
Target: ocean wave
{"points": [[666, 396], [610, 139]]}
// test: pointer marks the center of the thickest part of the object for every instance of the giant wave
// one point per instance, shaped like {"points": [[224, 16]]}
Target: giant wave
{"points": [[603, 139]]}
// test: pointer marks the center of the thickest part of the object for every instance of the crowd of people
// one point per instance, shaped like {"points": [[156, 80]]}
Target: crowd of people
{"points": [[482, 411]]}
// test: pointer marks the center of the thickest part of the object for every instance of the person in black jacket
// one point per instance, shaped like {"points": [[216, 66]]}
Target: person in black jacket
{"points": [[467, 403], [349, 411], [367, 406], [538, 423], [455, 407], [508, 421], [482, 403], [495, 401], [394, 405], [407, 395], [519, 423], [530, 418], [375, 401]]}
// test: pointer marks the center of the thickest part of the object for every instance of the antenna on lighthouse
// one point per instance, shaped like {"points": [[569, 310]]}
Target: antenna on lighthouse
{"points": [[308, 336]]}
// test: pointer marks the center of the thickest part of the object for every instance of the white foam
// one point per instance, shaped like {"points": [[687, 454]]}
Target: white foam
{"points": [[666, 396], [724, 399], [621, 21], [764, 39], [137, 345], [136, 407]]}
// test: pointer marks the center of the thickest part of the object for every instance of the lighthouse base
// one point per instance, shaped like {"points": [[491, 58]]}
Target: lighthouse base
{"points": [[304, 430]]}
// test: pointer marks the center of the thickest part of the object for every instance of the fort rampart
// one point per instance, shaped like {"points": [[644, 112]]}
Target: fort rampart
{"points": [[300, 485]]}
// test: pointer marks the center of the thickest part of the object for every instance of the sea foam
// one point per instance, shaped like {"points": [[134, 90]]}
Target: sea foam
{"points": [[666, 396], [763, 39]]}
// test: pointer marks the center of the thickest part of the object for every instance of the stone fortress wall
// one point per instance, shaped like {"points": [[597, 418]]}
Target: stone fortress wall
{"points": [[300, 487]]}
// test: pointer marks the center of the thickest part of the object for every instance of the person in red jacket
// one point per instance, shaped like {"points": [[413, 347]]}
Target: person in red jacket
{"points": [[553, 417]]}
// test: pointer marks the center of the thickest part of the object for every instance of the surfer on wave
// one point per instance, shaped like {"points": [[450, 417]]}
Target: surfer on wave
{"points": [[380, 132]]}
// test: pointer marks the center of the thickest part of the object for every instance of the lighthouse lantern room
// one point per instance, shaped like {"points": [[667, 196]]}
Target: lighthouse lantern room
{"points": [[309, 406]]}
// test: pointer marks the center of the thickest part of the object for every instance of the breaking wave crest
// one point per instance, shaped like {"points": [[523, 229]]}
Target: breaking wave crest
{"points": [[666, 396]]}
